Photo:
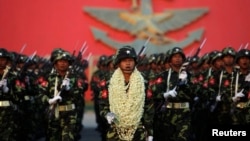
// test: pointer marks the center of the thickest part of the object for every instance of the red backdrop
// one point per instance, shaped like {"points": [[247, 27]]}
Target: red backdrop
{"points": [[45, 24]]}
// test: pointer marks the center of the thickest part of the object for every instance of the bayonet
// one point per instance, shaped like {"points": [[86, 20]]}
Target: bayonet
{"points": [[144, 47], [240, 47], [246, 46], [200, 47], [22, 49]]}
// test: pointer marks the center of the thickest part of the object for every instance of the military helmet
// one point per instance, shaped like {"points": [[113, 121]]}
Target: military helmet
{"points": [[194, 59], [176, 50], [110, 59], [4, 53], [216, 55], [22, 58], [125, 52], [228, 51], [160, 58], [102, 60], [152, 58], [242, 53], [205, 58], [54, 53], [63, 55]]}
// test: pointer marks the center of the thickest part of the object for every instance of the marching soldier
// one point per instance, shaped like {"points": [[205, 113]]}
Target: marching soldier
{"points": [[10, 89], [95, 88], [124, 103], [171, 89], [80, 104], [59, 92], [225, 88], [203, 86], [240, 112]]}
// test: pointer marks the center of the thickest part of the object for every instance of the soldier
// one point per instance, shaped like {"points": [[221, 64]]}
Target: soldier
{"points": [[10, 89], [94, 86], [172, 89], [203, 85], [124, 103], [153, 68], [225, 88], [59, 92], [203, 62], [240, 111], [25, 69]]}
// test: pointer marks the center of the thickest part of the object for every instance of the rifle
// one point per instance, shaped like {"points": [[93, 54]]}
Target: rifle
{"points": [[79, 55], [5, 72], [52, 108], [200, 47], [214, 106], [178, 85], [78, 58], [27, 63], [144, 47]]}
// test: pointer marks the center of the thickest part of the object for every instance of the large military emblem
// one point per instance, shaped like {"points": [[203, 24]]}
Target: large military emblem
{"points": [[144, 24]]}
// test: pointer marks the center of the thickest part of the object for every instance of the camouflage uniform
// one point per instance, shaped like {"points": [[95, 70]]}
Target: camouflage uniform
{"points": [[225, 89], [240, 111], [173, 113], [95, 79], [9, 101], [62, 114], [30, 123], [203, 85], [145, 125]]}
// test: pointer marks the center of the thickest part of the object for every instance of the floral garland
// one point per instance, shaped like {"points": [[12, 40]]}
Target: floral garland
{"points": [[127, 106]]}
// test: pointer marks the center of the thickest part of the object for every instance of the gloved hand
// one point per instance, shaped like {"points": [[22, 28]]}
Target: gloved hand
{"points": [[3, 85], [238, 96], [66, 83], [110, 117], [55, 99], [247, 78], [171, 93], [196, 98], [218, 98], [183, 76], [150, 138]]}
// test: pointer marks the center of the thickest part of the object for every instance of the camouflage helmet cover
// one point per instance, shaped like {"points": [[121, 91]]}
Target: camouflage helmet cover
{"points": [[228, 51], [216, 56], [54, 53], [63, 55]]}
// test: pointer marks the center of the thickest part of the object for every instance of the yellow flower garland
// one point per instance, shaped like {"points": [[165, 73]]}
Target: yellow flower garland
{"points": [[127, 106]]}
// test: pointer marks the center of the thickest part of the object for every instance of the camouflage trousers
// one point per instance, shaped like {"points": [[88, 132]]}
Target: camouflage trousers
{"points": [[140, 134], [62, 128], [8, 124], [174, 125]]}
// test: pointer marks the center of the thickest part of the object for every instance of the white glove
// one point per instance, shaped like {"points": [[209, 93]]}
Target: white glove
{"points": [[247, 78], [196, 98], [55, 99], [65, 83], [3, 85], [218, 98], [110, 117], [238, 96], [183, 76], [171, 93], [150, 138]]}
